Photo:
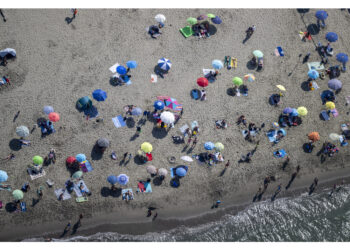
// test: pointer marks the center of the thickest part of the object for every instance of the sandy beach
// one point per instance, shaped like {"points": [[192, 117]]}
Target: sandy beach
{"points": [[57, 63]]}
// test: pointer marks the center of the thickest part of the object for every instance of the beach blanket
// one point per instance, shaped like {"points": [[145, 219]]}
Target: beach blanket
{"points": [[172, 172], [148, 187], [271, 135], [124, 191], [63, 191], [154, 78], [315, 85], [77, 190], [207, 71], [334, 112], [5, 188], [86, 166], [119, 121], [282, 153], [113, 68], [141, 187], [315, 66], [85, 188], [23, 206], [34, 176], [183, 129], [325, 115], [194, 124], [187, 31], [81, 199], [280, 51]]}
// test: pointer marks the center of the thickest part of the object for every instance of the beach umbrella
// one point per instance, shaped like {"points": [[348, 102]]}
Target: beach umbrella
{"points": [[330, 105], [131, 64], [335, 84], [3, 176], [164, 64], [22, 131], [331, 37], [281, 87], [258, 54], [103, 142], [171, 103], [84, 103], [302, 111], [151, 169], [167, 117], [48, 109], [202, 82], [186, 158], [80, 157], [162, 172], [294, 112], [209, 145], [287, 110], [136, 111], [342, 57], [160, 18], [99, 95], [112, 179], [237, 81], [146, 147], [70, 160], [192, 20], [217, 64], [202, 17], [219, 146], [281, 130], [334, 136], [216, 20], [17, 194], [38, 160], [313, 74], [123, 179], [54, 117], [314, 136], [181, 172], [159, 105], [211, 15], [121, 70], [275, 125], [77, 175], [249, 77], [321, 14]]}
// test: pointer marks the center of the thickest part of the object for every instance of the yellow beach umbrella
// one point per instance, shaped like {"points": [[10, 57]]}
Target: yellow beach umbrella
{"points": [[302, 111], [146, 147], [334, 136], [281, 87], [219, 146], [330, 105]]}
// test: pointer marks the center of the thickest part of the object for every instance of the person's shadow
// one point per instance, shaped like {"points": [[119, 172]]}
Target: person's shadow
{"points": [[222, 172], [246, 39], [75, 228]]}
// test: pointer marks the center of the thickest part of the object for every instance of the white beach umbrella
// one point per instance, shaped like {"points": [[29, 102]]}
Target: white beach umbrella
{"points": [[162, 172], [160, 18], [22, 131], [167, 117], [151, 169], [334, 136], [186, 158]]}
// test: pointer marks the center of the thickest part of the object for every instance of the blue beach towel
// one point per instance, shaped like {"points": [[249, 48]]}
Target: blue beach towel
{"points": [[271, 135], [85, 188], [124, 192], [280, 51], [282, 153], [325, 115], [195, 94], [148, 187], [119, 121], [23, 206]]}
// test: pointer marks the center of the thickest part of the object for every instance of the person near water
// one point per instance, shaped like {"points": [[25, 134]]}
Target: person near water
{"points": [[285, 163], [68, 226], [258, 193], [9, 157], [278, 190], [155, 216]]}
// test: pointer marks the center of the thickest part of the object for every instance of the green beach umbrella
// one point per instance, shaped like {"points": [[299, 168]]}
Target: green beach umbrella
{"points": [[258, 53], [77, 175], [192, 20], [17, 194], [219, 146], [237, 81], [38, 160], [211, 15]]}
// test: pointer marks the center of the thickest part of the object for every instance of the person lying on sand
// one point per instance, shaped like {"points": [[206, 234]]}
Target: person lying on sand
{"points": [[9, 157]]}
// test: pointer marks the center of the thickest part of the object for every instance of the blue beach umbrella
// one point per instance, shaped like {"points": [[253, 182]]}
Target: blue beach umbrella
{"points": [[181, 172], [136, 111], [99, 95], [3, 176], [48, 109], [313, 74], [158, 105], [123, 179], [209, 145], [287, 110], [217, 64], [331, 37], [342, 57], [164, 64], [216, 20], [112, 179], [131, 64], [321, 14], [121, 70], [294, 112], [80, 157]]}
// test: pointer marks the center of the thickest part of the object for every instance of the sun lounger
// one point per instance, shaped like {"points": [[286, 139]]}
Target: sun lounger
{"points": [[334, 112], [124, 191], [325, 115], [34, 176], [63, 191], [148, 187], [23, 206], [81, 199], [187, 31]]}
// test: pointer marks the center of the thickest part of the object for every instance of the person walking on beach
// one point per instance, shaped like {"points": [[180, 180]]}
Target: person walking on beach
{"points": [[74, 12], [68, 226], [16, 116], [258, 193], [285, 163], [9, 157], [79, 221], [155, 216]]}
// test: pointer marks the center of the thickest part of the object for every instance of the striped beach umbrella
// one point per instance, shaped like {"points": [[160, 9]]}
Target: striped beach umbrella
{"points": [[249, 77], [171, 103], [164, 64]]}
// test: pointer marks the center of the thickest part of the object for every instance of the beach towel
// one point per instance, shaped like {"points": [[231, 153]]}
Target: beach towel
{"points": [[187, 31], [148, 187], [271, 135], [325, 115], [113, 68], [85, 188], [124, 192], [49, 182], [194, 124], [66, 195], [183, 129], [141, 187], [172, 172], [149, 157], [86, 166], [34, 176], [334, 112], [154, 78], [280, 51], [195, 94], [77, 190], [315, 85], [23, 206], [315, 66], [119, 121], [282, 153], [208, 71], [81, 199]]}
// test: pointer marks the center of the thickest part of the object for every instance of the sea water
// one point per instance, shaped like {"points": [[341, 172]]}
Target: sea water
{"points": [[318, 217]]}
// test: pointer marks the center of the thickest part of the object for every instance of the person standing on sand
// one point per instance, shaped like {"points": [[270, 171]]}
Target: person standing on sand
{"points": [[285, 163], [74, 11], [227, 164], [155, 216], [194, 143], [79, 221], [258, 193]]}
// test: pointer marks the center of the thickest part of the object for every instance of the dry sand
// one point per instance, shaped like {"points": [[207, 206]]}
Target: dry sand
{"points": [[57, 63]]}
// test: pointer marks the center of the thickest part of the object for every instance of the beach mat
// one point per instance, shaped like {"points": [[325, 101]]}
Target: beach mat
{"points": [[271, 135], [124, 192], [187, 31], [85, 188], [172, 172], [66, 195], [86, 166], [5, 188], [119, 121], [81, 199], [148, 187], [34, 176], [315, 66], [23, 206]]}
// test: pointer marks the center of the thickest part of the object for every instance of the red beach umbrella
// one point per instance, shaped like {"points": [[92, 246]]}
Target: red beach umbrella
{"points": [[70, 160], [202, 81], [54, 117]]}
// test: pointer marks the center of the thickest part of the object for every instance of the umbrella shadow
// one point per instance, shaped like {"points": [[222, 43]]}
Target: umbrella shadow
{"points": [[175, 182], [303, 11], [159, 133], [212, 29], [305, 86], [114, 81], [41, 120], [130, 122], [231, 92], [313, 29], [96, 153], [250, 65], [222, 172], [160, 72], [15, 144], [306, 147], [74, 168], [106, 192], [133, 138], [157, 181], [139, 160], [10, 207]]}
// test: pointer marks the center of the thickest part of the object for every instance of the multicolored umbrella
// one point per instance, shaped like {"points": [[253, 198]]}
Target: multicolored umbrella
{"points": [[217, 64], [77, 175], [123, 179], [171, 103], [38, 160], [151, 169], [121, 70], [192, 20], [48, 109], [80, 157], [313, 74], [321, 14], [146, 147], [258, 54], [314, 136], [209, 146], [202, 82], [331, 37], [164, 64], [112, 179], [160, 18], [237, 81], [249, 77], [216, 20], [131, 64], [335, 84], [159, 105], [99, 95], [22, 131], [54, 117], [330, 105], [219, 146], [3, 176], [167, 117], [17, 194], [302, 111]]}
